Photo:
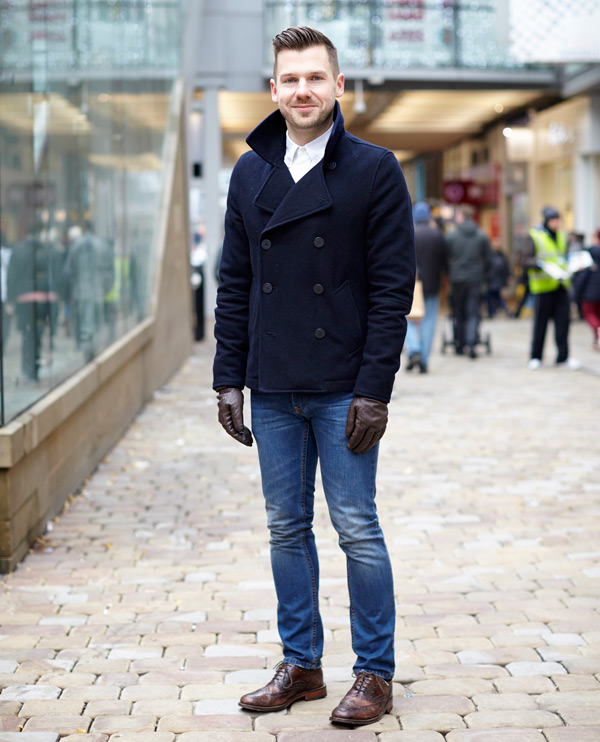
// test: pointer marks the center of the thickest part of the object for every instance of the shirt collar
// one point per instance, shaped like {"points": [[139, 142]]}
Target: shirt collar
{"points": [[315, 149]]}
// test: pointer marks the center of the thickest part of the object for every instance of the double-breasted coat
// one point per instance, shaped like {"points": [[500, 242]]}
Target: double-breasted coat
{"points": [[316, 277]]}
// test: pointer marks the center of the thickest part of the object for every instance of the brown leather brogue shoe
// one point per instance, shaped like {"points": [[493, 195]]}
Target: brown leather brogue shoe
{"points": [[290, 683], [366, 702]]}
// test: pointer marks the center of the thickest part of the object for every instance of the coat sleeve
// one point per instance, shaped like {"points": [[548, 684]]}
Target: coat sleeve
{"points": [[233, 297], [390, 268]]}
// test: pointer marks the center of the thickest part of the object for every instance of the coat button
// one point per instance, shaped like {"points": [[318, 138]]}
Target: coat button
{"points": [[265, 244], [319, 333], [318, 242], [267, 288], [331, 165], [318, 289]]}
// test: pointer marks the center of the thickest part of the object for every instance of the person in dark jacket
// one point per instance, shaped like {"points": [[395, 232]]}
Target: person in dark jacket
{"points": [[35, 285], [586, 292], [316, 279], [497, 280], [431, 266], [469, 259]]}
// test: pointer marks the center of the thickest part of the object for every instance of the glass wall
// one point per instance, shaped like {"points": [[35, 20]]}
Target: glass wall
{"points": [[400, 34], [84, 104]]}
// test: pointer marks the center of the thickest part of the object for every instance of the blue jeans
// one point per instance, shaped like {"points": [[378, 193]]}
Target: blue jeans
{"points": [[419, 335], [292, 432]]}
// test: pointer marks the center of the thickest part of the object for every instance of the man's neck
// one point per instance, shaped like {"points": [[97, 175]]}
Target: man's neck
{"points": [[302, 137]]}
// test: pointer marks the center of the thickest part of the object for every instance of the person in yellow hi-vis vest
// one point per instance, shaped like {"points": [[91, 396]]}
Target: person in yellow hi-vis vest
{"points": [[548, 273]]}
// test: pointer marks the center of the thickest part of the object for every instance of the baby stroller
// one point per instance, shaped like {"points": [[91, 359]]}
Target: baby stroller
{"points": [[449, 335]]}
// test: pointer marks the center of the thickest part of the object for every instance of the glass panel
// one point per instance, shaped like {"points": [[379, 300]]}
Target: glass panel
{"points": [[400, 34], [81, 141]]}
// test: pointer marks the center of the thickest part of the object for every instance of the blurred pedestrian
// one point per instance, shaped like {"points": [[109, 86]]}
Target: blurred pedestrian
{"points": [[431, 267], [7, 308], [545, 257], [317, 277], [497, 280], [586, 292], [469, 260]]}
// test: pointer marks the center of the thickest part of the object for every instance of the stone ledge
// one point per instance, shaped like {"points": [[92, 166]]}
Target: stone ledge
{"points": [[24, 434]]}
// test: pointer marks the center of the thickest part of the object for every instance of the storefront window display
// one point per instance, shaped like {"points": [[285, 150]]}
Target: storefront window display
{"points": [[81, 138]]}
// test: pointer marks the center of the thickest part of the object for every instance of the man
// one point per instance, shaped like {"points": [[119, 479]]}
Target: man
{"points": [[469, 258], [545, 258], [431, 266], [316, 278]]}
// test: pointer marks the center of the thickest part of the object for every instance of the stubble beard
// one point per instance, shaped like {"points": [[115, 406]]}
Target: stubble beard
{"points": [[299, 122]]}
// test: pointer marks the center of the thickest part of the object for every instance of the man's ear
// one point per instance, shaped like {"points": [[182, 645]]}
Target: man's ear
{"points": [[274, 96], [339, 86]]}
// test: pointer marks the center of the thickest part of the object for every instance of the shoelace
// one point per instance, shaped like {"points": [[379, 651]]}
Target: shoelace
{"points": [[363, 681], [281, 673]]}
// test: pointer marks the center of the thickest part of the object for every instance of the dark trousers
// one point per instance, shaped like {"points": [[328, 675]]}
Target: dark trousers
{"points": [[466, 298], [553, 305]]}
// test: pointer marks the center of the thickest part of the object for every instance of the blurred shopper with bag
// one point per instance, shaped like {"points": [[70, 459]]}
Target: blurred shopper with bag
{"points": [[431, 266]]}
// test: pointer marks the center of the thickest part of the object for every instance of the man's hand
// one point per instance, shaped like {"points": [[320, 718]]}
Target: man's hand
{"points": [[231, 416], [366, 423]]}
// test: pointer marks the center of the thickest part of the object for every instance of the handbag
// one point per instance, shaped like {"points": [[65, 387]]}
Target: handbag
{"points": [[418, 306]]}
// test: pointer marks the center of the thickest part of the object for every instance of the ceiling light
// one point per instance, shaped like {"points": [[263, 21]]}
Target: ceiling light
{"points": [[507, 131], [498, 108]]}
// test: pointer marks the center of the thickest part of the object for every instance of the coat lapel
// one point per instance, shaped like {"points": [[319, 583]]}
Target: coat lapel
{"points": [[308, 196]]}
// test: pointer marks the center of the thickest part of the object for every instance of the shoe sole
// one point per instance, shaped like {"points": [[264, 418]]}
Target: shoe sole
{"points": [[312, 695], [361, 722]]}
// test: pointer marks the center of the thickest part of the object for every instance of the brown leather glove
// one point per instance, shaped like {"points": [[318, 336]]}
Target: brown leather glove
{"points": [[231, 416], [366, 423]]}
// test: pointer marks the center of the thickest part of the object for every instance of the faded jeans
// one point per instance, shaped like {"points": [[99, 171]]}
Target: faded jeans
{"points": [[419, 335], [292, 432]]}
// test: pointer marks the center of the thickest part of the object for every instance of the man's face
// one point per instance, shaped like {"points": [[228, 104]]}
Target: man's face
{"points": [[305, 91], [554, 224]]}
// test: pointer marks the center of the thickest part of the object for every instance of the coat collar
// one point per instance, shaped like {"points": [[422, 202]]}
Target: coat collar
{"points": [[268, 138], [286, 200]]}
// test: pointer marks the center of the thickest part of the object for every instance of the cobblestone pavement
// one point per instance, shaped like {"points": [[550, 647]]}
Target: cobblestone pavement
{"points": [[149, 608]]}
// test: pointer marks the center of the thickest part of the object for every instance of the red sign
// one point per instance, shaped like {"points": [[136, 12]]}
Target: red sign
{"points": [[470, 192]]}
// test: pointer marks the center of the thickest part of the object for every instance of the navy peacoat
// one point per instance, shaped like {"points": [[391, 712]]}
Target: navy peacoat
{"points": [[316, 277]]}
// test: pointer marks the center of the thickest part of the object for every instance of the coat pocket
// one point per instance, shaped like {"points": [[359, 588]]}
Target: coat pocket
{"points": [[348, 319]]}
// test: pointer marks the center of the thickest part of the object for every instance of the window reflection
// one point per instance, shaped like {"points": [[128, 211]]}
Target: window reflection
{"points": [[81, 140]]}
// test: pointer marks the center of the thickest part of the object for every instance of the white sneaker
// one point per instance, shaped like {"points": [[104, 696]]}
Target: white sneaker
{"points": [[573, 364], [534, 364]]}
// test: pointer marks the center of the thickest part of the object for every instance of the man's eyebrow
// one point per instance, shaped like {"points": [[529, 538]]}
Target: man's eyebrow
{"points": [[296, 74]]}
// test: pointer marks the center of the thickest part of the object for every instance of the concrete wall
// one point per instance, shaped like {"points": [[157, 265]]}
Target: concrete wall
{"points": [[47, 452]]}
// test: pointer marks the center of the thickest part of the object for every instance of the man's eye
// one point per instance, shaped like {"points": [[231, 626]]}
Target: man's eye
{"points": [[288, 79]]}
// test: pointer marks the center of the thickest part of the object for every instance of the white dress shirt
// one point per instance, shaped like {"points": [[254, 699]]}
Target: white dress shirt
{"points": [[301, 159]]}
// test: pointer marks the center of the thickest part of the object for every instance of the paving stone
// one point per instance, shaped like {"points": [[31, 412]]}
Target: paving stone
{"points": [[560, 701], [61, 724], [108, 708], [412, 736], [496, 735], [433, 704], [28, 737], [535, 668], [531, 684], [9, 708], [216, 736], [505, 701], [581, 716], [455, 687], [150, 692], [573, 734], [181, 724], [52, 708], [162, 707], [10, 724], [432, 721], [342, 735], [113, 724], [30, 693], [512, 718], [142, 737], [91, 693]]}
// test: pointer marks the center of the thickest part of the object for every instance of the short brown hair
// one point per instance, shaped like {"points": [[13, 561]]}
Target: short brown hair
{"points": [[303, 37]]}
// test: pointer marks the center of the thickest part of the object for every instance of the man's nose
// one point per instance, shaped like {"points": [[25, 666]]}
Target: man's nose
{"points": [[303, 87]]}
